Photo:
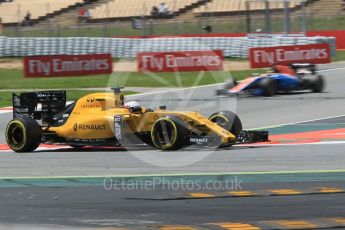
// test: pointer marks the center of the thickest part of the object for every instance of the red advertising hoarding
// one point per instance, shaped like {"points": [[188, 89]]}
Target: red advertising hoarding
{"points": [[183, 61], [267, 56], [67, 65]]}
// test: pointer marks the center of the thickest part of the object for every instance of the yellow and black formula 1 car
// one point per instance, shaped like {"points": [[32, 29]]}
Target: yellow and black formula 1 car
{"points": [[102, 119]]}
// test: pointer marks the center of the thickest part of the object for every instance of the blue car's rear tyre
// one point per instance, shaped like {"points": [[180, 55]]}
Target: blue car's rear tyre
{"points": [[317, 84], [268, 86]]}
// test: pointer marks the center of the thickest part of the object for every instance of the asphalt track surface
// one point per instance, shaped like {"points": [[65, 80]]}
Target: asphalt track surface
{"points": [[92, 206], [96, 207]]}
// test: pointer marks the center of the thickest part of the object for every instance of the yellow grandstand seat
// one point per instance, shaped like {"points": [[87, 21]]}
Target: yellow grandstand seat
{"points": [[135, 8], [15, 11], [240, 5]]}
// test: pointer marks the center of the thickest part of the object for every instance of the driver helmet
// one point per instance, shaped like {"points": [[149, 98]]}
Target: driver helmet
{"points": [[133, 107]]}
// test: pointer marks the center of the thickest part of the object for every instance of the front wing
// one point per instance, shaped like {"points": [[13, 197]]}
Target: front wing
{"points": [[244, 137]]}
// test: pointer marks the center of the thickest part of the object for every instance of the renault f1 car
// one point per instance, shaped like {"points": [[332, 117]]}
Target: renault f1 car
{"points": [[300, 76], [103, 119]]}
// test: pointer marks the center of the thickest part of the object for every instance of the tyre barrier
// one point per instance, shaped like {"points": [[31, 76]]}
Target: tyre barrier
{"points": [[129, 47]]}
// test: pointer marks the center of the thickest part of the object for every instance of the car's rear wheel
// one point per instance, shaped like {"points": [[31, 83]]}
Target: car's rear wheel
{"points": [[227, 120], [317, 84], [169, 133], [268, 85], [23, 134]]}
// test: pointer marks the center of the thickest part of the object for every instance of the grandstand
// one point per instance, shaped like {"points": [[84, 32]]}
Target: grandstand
{"points": [[236, 6], [60, 17], [116, 9], [325, 7], [13, 12]]}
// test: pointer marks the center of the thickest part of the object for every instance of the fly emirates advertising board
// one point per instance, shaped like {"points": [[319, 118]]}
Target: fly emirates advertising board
{"points": [[67, 65], [183, 61], [266, 56]]}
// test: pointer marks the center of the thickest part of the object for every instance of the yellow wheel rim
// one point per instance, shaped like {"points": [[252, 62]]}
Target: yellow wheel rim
{"points": [[164, 133], [223, 120], [16, 135]]}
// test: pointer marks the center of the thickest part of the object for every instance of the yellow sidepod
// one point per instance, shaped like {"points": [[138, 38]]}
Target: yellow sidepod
{"points": [[92, 117]]}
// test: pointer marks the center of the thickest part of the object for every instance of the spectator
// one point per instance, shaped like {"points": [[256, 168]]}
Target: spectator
{"points": [[163, 10], [27, 19], [81, 14], [343, 4], [87, 14], [154, 11], [84, 15]]}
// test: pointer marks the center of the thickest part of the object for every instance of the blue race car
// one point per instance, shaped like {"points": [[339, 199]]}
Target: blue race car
{"points": [[282, 79]]}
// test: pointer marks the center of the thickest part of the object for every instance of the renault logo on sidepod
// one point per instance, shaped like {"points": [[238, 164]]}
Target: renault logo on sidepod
{"points": [[75, 127]]}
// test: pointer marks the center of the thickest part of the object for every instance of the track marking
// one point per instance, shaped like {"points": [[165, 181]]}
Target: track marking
{"points": [[295, 224], [331, 190], [178, 227], [201, 195], [293, 144], [143, 176], [242, 193], [299, 122], [231, 194], [236, 225], [329, 70], [339, 220], [5, 147], [282, 192], [173, 90], [6, 110], [316, 223]]}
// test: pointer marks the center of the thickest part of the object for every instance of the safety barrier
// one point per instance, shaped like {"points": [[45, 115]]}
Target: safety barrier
{"points": [[129, 47]]}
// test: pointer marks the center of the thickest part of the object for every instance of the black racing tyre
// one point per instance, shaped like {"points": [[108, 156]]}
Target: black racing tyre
{"points": [[268, 85], [169, 133], [317, 84], [227, 120], [23, 134]]}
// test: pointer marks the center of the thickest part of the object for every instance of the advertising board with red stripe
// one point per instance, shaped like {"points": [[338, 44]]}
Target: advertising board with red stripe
{"points": [[67, 65], [284, 55], [183, 61]]}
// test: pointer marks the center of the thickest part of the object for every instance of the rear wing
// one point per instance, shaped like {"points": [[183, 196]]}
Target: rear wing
{"points": [[42, 105], [311, 67]]}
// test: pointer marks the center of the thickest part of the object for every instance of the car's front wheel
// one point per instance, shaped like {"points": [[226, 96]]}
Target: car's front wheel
{"points": [[268, 86], [169, 133], [227, 120]]}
